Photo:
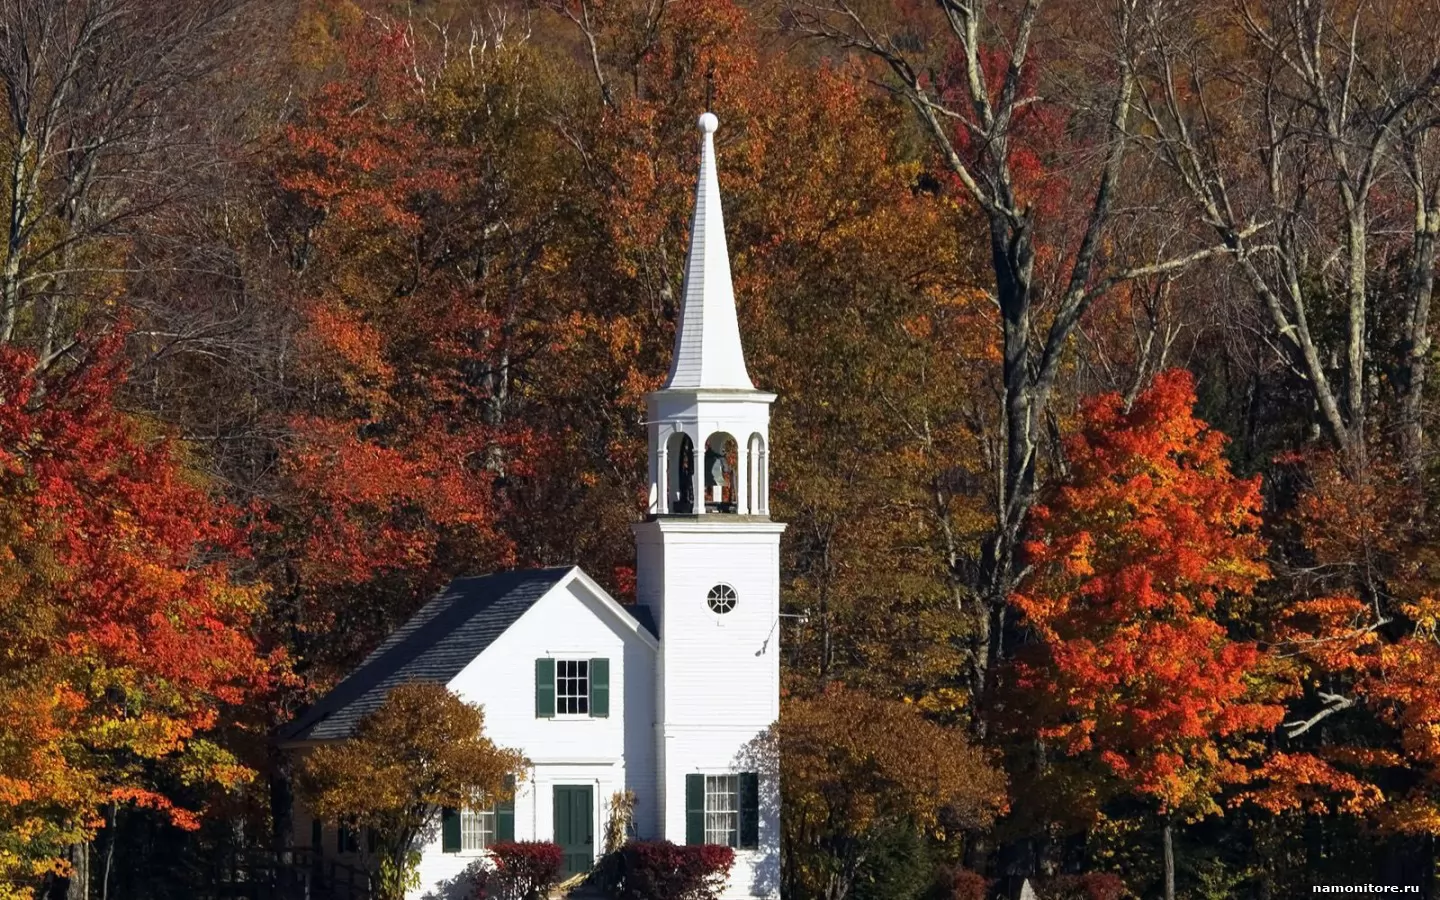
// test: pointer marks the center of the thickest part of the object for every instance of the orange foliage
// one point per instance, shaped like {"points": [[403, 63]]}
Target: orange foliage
{"points": [[126, 632], [1134, 561], [1337, 641], [853, 764], [1357, 657]]}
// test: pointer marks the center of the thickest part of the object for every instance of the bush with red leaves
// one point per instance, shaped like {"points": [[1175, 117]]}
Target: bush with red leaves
{"points": [[524, 870], [1091, 886], [959, 883], [660, 870]]}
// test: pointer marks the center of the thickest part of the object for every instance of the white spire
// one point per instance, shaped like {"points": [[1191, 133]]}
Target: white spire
{"points": [[707, 343]]}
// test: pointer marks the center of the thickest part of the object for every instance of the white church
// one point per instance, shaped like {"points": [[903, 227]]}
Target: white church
{"points": [[667, 698]]}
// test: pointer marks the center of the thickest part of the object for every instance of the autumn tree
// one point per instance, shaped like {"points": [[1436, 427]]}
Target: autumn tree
{"points": [[391, 468], [853, 765], [1339, 100], [1358, 634], [422, 750], [990, 91], [89, 146], [1139, 561], [126, 628]]}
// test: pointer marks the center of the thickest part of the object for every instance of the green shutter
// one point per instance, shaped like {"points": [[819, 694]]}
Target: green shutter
{"points": [[600, 688], [544, 688], [343, 842], [749, 810], [505, 814], [316, 830], [371, 841], [450, 830], [694, 809]]}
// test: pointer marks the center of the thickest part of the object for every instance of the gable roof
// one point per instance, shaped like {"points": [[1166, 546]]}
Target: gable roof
{"points": [[450, 630]]}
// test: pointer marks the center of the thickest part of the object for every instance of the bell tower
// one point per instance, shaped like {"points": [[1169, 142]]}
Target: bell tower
{"points": [[708, 559]]}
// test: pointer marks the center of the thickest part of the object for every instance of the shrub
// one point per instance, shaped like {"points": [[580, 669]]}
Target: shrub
{"points": [[524, 870], [1091, 886], [660, 870], [959, 883], [898, 866]]}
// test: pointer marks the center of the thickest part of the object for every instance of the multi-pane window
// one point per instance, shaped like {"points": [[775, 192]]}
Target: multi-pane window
{"points": [[477, 829], [722, 810], [572, 687]]}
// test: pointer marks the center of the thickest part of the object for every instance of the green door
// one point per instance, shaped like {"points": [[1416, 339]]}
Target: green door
{"points": [[574, 828]]}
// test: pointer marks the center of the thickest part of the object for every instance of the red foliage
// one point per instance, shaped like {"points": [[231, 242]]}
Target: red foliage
{"points": [[350, 158], [1338, 649], [390, 471], [126, 631], [625, 584], [960, 883], [1090, 886], [660, 870], [1036, 136], [524, 870], [1131, 559]]}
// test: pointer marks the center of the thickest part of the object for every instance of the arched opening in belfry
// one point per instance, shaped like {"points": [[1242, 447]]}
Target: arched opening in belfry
{"points": [[720, 483], [679, 474], [757, 479]]}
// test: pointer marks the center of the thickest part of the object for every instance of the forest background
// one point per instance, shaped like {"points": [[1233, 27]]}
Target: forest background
{"points": [[1101, 330]]}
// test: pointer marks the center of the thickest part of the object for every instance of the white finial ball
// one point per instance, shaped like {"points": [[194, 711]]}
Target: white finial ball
{"points": [[708, 123]]}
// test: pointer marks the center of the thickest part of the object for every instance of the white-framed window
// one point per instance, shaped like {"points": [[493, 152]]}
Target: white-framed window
{"points": [[477, 829], [572, 687], [722, 810]]}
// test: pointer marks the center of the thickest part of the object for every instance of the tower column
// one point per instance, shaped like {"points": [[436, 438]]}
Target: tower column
{"points": [[698, 478], [663, 477], [740, 489], [764, 486], [752, 470]]}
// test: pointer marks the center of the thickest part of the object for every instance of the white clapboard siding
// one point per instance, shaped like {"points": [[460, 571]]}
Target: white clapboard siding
{"points": [[575, 620]]}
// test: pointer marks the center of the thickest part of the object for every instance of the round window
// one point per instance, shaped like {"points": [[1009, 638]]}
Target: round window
{"points": [[721, 598]]}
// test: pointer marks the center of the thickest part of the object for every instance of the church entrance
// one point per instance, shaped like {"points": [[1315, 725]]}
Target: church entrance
{"points": [[574, 826]]}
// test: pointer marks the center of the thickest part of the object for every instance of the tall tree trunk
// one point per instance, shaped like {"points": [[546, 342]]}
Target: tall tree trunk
{"points": [[1417, 334], [1169, 841], [282, 806], [79, 886], [15, 242], [824, 633], [1032, 352], [110, 823]]}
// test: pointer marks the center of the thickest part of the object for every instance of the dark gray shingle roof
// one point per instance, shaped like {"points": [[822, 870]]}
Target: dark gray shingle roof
{"points": [[448, 632]]}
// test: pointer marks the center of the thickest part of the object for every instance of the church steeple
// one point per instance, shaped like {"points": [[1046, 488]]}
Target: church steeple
{"points": [[707, 566], [707, 342], [709, 426]]}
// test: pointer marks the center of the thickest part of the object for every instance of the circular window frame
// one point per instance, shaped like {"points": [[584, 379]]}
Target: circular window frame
{"points": [[721, 598]]}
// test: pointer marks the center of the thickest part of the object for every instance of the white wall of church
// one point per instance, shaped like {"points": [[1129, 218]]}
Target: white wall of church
{"points": [[697, 749], [719, 667], [608, 754], [447, 876], [565, 624], [718, 681]]}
